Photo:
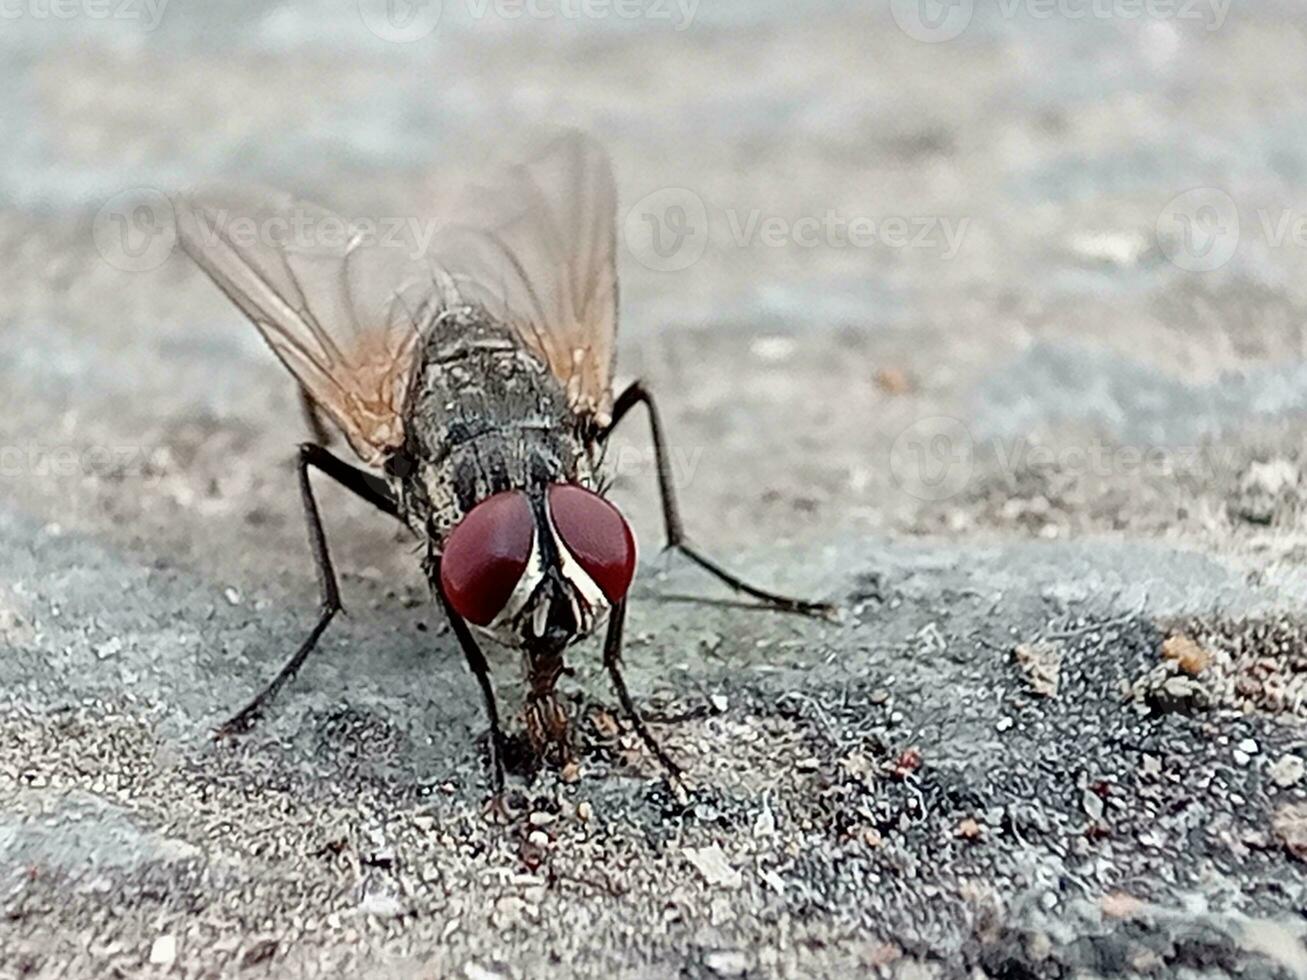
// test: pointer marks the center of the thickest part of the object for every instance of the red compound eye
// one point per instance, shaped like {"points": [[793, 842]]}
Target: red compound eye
{"points": [[597, 535], [486, 554]]}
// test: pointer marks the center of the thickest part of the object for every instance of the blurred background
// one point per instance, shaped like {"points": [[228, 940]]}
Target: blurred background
{"points": [[977, 317], [1064, 224]]}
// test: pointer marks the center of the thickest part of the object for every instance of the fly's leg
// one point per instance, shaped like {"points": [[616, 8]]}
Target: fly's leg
{"points": [[636, 394], [476, 662], [613, 661], [313, 419], [371, 489]]}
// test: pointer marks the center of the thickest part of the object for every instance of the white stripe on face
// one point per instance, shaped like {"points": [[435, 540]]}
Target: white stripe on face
{"points": [[502, 627], [591, 596]]}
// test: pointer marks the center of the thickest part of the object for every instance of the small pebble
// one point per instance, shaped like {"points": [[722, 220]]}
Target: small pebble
{"points": [[713, 865], [969, 829], [1004, 724], [539, 838], [719, 703], [381, 905], [727, 963], [164, 951], [584, 811], [1092, 804], [1288, 771]]}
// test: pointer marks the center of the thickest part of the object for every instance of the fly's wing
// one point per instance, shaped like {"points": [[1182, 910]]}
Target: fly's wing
{"points": [[342, 305], [536, 245]]}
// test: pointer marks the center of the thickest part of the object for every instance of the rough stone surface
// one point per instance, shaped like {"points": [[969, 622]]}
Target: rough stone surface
{"points": [[1077, 434]]}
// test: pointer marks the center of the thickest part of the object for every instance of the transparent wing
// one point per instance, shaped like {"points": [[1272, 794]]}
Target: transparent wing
{"points": [[345, 304], [342, 304], [535, 244]]}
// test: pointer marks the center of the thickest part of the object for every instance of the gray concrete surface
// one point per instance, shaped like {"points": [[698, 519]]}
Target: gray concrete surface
{"points": [[1051, 469]]}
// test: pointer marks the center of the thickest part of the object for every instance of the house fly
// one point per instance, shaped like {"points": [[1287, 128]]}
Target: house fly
{"points": [[473, 382]]}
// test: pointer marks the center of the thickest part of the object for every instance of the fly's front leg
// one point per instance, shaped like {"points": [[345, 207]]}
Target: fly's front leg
{"points": [[636, 394], [613, 661], [371, 489], [476, 662]]}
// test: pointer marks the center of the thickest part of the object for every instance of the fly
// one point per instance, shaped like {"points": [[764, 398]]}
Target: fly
{"points": [[473, 383]]}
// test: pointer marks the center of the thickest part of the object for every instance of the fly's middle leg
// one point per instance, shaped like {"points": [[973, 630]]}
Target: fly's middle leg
{"points": [[313, 419], [637, 394]]}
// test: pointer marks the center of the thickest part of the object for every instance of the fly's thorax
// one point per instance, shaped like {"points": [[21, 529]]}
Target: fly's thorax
{"points": [[443, 491], [486, 415]]}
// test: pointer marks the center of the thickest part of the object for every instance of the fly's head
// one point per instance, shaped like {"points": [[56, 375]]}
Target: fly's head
{"points": [[538, 570]]}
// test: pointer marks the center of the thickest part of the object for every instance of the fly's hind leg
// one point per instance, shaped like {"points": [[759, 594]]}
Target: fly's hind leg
{"points": [[372, 490], [636, 394]]}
